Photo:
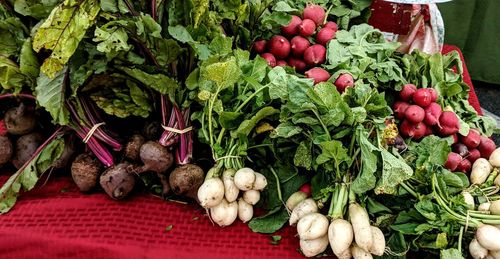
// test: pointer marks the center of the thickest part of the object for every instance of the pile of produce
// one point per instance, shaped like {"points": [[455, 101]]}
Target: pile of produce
{"points": [[274, 112]]}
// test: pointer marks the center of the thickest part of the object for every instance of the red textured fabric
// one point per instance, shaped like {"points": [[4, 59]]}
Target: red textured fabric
{"points": [[56, 221]]}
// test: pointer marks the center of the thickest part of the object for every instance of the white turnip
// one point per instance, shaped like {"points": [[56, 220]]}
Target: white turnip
{"points": [[260, 182], [225, 213], [245, 210], [312, 226], [340, 235], [360, 253], [303, 208], [244, 178], [487, 236], [469, 200], [361, 226], [484, 206], [230, 190], [211, 192], [476, 250], [313, 247], [495, 207], [378, 245], [251, 197], [495, 158], [480, 171], [295, 199]]}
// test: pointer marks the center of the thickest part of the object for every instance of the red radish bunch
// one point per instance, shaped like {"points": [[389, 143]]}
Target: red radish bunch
{"points": [[303, 46], [467, 149]]}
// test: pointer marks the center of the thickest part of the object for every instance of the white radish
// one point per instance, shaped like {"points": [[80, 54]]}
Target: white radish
{"points": [[295, 199], [230, 190], [225, 213], [313, 247], [481, 169], [211, 192], [359, 253], [476, 250], [346, 254], [251, 197], [495, 254], [489, 256], [340, 235], [487, 236], [260, 182], [495, 207], [495, 158], [245, 211], [303, 208], [378, 245], [484, 206], [497, 180], [361, 226], [244, 179], [469, 200], [312, 226]]}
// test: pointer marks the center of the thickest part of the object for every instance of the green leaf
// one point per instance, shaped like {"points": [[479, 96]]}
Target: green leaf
{"points": [[223, 74], [35, 8], [269, 223], [334, 153], [12, 33], [50, 94], [180, 33], [451, 253], [28, 63], [231, 120], [158, 82], [114, 6], [111, 38], [366, 179], [286, 130], [303, 155], [11, 76], [394, 171], [62, 31], [247, 125]]}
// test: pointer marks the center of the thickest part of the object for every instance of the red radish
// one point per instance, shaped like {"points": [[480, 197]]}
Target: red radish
{"points": [[344, 81], [432, 114], [314, 12], [472, 139], [486, 147], [428, 131], [324, 36], [416, 131], [298, 64], [407, 92], [315, 55], [434, 94], [293, 27], [452, 162], [422, 97], [307, 28], [318, 74], [474, 155], [414, 114], [460, 149], [279, 46], [259, 46], [449, 123], [306, 188], [331, 25], [464, 166], [281, 63], [298, 45], [271, 60], [399, 108], [420, 130]]}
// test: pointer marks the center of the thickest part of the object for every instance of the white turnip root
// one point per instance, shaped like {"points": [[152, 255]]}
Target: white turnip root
{"points": [[117, 181], [340, 235], [251, 197], [85, 171], [497, 181], [185, 178], [225, 213], [245, 210], [481, 169], [495, 207], [133, 147], [260, 182], [378, 245], [244, 179], [6, 150], [295, 199], [156, 158], [476, 250], [230, 190], [495, 158], [20, 120], [487, 236], [361, 226], [359, 253], [312, 247], [211, 192], [26, 146], [469, 200], [494, 254], [484, 206], [303, 208], [312, 226]]}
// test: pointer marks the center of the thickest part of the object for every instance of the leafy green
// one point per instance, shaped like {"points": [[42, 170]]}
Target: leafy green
{"points": [[158, 82], [394, 171], [366, 179], [50, 94], [35, 8], [269, 223]]}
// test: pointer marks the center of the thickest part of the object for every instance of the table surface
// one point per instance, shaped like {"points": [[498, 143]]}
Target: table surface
{"points": [[56, 221]]}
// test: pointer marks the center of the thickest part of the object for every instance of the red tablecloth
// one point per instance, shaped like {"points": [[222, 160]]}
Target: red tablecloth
{"points": [[57, 221]]}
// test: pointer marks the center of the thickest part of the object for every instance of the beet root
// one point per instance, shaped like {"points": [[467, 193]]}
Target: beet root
{"points": [[133, 147], [26, 146], [155, 157], [6, 150], [20, 120], [85, 171], [117, 181], [186, 178]]}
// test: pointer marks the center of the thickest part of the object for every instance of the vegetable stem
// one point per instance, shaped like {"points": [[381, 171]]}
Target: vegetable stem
{"points": [[278, 187]]}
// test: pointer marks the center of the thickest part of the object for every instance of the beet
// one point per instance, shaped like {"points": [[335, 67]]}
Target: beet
{"points": [[293, 27], [307, 27], [318, 74], [186, 178], [407, 92], [432, 114], [399, 108], [331, 25], [315, 55], [67, 154], [460, 149], [271, 60], [20, 120], [325, 35], [298, 64], [298, 45], [414, 114], [434, 94], [464, 166], [343, 81], [281, 63], [448, 121], [85, 171], [152, 130], [26, 146], [117, 181], [422, 97], [259, 46], [472, 139], [165, 184], [314, 12], [6, 150], [474, 155], [133, 147], [452, 162], [279, 46], [486, 147], [156, 158]]}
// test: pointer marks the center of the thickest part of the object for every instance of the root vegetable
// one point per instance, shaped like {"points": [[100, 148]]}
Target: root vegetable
{"points": [[133, 147], [225, 213], [303, 208], [414, 114], [20, 120], [279, 46], [472, 139], [495, 158], [306, 188], [480, 171], [307, 28], [230, 190], [487, 236], [312, 226], [293, 27], [460, 149], [315, 13], [497, 181], [295, 199], [486, 147], [361, 226], [324, 36], [26, 146], [117, 181], [343, 82], [432, 114], [399, 108], [313, 247], [495, 207], [474, 155], [245, 211], [244, 179], [493, 255], [464, 166], [155, 157], [449, 123], [359, 253], [433, 93], [211, 192], [406, 94], [85, 171], [469, 200], [251, 197], [331, 25], [378, 245], [340, 235], [271, 60], [298, 64], [281, 63], [476, 250], [259, 46], [452, 161], [260, 182], [315, 55], [298, 45], [422, 97], [185, 178], [6, 150], [318, 74], [484, 206], [415, 131]]}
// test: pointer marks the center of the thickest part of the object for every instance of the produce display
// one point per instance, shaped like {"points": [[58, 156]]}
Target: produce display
{"points": [[270, 112]]}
